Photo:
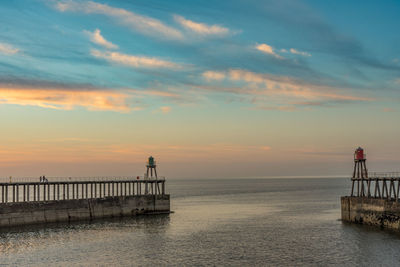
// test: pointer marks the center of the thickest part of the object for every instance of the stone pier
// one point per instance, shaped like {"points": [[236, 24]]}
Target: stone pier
{"points": [[22, 213], [371, 211]]}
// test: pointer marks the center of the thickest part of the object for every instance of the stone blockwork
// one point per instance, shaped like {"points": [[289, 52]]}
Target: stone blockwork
{"points": [[372, 211], [13, 214]]}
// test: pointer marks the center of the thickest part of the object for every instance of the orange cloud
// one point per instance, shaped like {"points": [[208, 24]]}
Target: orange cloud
{"points": [[61, 98], [267, 49], [165, 109]]}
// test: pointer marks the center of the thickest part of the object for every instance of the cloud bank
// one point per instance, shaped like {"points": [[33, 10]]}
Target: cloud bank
{"points": [[61, 97]]}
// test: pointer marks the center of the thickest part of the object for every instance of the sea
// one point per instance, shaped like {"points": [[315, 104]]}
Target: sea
{"points": [[216, 222]]}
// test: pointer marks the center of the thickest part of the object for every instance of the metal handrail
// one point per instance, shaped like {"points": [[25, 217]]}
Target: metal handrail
{"points": [[12, 179], [68, 190], [383, 174]]}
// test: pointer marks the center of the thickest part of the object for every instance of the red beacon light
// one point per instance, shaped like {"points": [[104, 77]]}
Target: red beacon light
{"points": [[359, 154]]}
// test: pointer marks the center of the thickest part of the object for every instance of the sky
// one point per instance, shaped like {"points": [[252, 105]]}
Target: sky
{"points": [[209, 88]]}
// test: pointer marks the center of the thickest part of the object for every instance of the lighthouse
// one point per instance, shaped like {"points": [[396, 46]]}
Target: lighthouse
{"points": [[360, 171], [151, 165]]}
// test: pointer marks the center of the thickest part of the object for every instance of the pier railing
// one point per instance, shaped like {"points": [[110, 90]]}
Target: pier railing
{"points": [[82, 189], [12, 179], [374, 175], [377, 185]]}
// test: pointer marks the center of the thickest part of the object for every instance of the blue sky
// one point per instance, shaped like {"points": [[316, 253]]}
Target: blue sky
{"points": [[200, 82]]}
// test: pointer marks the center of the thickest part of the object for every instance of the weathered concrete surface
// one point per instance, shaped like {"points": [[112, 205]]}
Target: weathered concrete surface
{"points": [[13, 214], [372, 211]]}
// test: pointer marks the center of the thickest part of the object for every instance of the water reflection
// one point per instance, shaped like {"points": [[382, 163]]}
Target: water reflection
{"points": [[148, 221], [30, 236]]}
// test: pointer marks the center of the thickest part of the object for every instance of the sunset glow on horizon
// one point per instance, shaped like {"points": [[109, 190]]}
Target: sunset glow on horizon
{"points": [[209, 88]]}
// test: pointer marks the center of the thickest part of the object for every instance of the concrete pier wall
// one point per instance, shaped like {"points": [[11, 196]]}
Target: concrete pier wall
{"points": [[22, 213], [372, 211]]}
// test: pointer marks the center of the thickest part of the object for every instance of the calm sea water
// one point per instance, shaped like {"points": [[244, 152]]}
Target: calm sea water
{"points": [[236, 222]]}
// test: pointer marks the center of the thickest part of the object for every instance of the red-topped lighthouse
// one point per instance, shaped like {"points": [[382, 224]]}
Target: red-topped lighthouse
{"points": [[360, 171], [359, 154]]}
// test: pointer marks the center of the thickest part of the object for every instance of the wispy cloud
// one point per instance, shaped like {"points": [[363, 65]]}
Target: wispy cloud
{"points": [[389, 110], [143, 24], [155, 93], [278, 108], [290, 86], [8, 49], [165, 109], [135, 61], [297, 52], [213, 75], [267, 49], [201, 28], [284, 91], [63, 97], [97, 38], [310, 26], [106, 152]]}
